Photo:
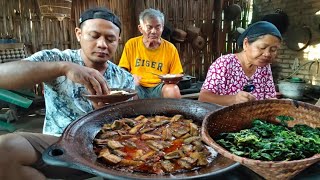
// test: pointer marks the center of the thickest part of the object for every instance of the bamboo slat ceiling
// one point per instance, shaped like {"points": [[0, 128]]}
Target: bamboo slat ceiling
{"points": [[23, 21]]}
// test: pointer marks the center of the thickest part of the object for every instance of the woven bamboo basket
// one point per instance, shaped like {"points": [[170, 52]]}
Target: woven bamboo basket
{"points": [[239, 116], [55, 8]]}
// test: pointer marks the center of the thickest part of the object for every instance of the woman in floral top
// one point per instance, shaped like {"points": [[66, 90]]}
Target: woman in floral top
{"points": [[229, 75]]}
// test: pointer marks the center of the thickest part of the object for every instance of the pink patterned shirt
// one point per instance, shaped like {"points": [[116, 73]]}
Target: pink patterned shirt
{"points": [[226, 77]]}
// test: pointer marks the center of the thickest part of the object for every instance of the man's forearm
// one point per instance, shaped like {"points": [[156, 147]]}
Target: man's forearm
{"points": [[19, 74]]}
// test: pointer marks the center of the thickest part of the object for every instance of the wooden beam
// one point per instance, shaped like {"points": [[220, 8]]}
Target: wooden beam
{"points": [[217, 27]]}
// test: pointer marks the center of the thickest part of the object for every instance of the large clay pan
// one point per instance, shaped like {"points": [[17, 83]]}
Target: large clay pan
{"points": [[74, 148]]}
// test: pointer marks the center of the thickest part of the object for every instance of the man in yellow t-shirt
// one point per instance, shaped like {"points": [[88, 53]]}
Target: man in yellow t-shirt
{"points": [[149, 54]]}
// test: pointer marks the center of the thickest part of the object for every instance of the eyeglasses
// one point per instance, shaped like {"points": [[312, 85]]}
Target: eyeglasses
{"points": [[249, 87]]}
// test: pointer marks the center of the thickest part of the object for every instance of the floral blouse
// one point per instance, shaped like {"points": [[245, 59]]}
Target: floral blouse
{"points": [[226, 77]]}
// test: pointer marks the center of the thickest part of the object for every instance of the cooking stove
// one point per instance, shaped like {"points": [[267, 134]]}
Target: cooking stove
{"points": [[194, 88]]}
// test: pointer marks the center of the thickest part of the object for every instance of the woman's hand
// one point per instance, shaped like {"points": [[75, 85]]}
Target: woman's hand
{"points": [[243, 96]]}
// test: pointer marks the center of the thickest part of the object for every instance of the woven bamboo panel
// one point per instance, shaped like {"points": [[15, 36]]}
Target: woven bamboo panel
{"points": [[24, 20], [20, 20]]}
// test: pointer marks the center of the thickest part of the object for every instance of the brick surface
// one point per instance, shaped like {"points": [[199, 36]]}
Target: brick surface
{"points": [[300, 13]]}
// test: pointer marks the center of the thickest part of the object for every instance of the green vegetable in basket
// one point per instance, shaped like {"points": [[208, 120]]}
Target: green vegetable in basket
{"points": [[271, 142], [283, 119]]}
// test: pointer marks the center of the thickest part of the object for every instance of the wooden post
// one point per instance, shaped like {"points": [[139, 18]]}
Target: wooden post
{"points": [[217, 27]]}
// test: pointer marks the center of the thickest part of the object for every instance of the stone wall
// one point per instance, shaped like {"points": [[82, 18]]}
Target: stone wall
{"points": [[301, 13]]}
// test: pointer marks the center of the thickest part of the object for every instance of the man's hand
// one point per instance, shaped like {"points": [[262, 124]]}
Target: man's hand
{"points": [[136, 79], [91, 78], [98, 105]]}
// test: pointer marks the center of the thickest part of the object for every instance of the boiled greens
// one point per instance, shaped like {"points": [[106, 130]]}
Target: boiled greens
{"points": [[272, 142]]}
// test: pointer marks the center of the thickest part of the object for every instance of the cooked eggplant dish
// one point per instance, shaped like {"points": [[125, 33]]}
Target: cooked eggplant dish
{"points": [[273, 142], [157, 145]]}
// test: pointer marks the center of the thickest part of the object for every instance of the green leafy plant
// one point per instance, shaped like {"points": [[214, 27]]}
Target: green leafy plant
{"points": [[283, 119], [272, 142]]}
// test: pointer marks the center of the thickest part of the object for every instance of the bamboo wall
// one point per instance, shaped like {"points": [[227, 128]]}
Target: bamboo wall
{"points": [[22, 20]]}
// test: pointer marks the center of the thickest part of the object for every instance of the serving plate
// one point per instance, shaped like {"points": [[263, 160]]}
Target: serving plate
{"points": [[112, 98], [171, 78]]}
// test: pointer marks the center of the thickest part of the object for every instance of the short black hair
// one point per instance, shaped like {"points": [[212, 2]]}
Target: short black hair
{"points": [[100, 13]]}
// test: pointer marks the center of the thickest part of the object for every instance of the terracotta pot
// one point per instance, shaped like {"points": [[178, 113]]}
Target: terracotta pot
{"points": [[232, 12], [279, 19], [192, 32], [179, 35], [198, 43]]}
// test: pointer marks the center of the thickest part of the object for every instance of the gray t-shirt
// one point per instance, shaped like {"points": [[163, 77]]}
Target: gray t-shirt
{"points": [[63, 98]]}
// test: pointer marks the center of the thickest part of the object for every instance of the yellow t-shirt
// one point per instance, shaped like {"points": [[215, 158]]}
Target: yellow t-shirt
{"points": [[139, 60]]}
